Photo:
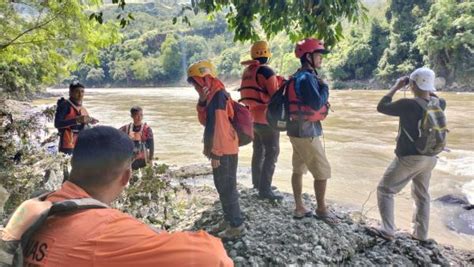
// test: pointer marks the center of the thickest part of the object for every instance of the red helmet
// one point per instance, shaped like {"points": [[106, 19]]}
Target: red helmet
{"points": [[309, 45]]}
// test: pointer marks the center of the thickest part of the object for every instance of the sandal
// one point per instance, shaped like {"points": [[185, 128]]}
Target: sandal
{"points": [[379, 233], [329, 218], [299, 216]]}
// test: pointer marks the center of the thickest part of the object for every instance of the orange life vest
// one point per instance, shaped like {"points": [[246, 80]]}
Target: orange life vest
{"points": [[141, 152], [299, 111], [251, 93], [69, 137]]}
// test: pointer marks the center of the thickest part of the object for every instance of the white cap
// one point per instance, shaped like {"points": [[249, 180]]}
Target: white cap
{"points": [[424, 79]]}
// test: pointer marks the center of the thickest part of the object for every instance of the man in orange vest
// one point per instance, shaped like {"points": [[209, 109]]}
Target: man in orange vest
{"points": [[142, 136], [308, 96], [259, 83], [71, 117], [101, 169]]}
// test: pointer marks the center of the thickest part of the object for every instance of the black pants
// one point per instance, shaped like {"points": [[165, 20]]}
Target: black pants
{"points": [[266, 148], [225, 180], [139, 163]]}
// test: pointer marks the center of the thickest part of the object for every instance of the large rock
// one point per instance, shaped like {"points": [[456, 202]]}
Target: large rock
{"points": [[3, 198]]}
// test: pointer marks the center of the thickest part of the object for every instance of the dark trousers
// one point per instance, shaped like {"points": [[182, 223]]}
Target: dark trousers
{"points": [[138, 163], [225, 180], [266, 147]]}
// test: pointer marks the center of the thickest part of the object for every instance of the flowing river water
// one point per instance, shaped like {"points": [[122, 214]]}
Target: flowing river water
{"points": [[359, 144]]}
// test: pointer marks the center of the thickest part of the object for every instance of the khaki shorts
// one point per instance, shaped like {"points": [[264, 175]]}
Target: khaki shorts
{"points": [[309, 154]]}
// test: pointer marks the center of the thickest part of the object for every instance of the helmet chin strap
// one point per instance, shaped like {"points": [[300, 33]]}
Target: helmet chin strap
{"points": [[311, 61]]}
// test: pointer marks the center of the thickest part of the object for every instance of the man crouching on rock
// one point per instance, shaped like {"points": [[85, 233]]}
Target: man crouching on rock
{"points": [[221, 143], [101, 168]]}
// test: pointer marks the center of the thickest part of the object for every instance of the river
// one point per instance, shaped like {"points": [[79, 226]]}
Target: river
{"points": [[359, 144]]}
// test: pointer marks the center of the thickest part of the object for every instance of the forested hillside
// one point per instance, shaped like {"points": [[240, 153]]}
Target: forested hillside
{"points": [[398, 37], [54, 43]]}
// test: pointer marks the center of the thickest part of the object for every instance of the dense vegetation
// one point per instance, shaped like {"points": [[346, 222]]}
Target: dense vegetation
{"points": [[153, 50], [41, 40]]}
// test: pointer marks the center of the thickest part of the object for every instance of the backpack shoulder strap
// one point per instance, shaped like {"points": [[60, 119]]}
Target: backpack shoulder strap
{"points": [[66, 206], [76, 108], [424, 105], [286, 83], [129, 128], [143, 128], [422, 102]]}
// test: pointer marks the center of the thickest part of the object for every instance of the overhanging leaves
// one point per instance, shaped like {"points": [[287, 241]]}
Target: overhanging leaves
{"points": [[298, 18]]}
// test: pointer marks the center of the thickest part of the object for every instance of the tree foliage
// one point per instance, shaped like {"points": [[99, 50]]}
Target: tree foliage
{"points": [[357, 56], [446, 38], [155, 52], [298, 18], [402, 56], [41, 40]]}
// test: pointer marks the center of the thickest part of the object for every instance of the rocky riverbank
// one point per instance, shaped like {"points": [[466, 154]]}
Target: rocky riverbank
{"points": [[274, 238]]}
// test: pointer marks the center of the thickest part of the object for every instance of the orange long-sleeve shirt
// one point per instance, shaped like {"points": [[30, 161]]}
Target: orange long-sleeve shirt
{"points": [[220, 137], [108, 237]]}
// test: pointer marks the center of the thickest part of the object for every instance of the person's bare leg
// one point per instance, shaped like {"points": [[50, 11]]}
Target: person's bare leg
{"points": [[297, 184], [320, 192]]}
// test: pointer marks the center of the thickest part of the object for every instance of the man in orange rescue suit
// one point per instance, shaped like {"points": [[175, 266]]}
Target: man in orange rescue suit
{"points": [[71, 118], [221, 144], [259, 83], [142, 136], [106, 237]]}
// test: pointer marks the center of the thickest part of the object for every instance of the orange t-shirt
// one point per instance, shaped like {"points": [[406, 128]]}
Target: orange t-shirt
{"points": [[108, 237]]}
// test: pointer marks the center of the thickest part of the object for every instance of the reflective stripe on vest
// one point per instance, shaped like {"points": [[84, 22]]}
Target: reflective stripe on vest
{"points": [[69, 136], [251, 93]]}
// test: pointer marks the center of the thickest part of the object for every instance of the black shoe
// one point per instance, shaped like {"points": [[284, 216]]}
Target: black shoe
{"points": [[270, 196]]}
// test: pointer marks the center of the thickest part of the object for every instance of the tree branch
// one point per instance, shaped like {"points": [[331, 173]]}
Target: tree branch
{"points": [[38, 41], [38, 26]]}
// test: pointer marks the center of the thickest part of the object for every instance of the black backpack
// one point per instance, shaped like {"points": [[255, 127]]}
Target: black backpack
{"points": [[278, 108], [13, 253]]}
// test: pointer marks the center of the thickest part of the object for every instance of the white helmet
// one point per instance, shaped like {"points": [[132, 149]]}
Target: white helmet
{"points": [[424, 79]]}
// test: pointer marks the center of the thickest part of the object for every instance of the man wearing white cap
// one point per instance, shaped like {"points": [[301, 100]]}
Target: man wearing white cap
{"points": [[413, 162]]}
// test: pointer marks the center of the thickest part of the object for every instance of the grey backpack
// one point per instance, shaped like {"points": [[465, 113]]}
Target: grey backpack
{"points": [[13, 253], [432, 128]]}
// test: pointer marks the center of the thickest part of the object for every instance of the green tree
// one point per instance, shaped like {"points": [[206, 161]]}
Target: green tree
{"points": [[228, 64], [95, 76], [172, 59], [356, 57], [44, 39], [134, 55], [446, 38], [194, 48], [402, 56], [120, 71], [141, 70], [289, 64], [298, 19]]}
